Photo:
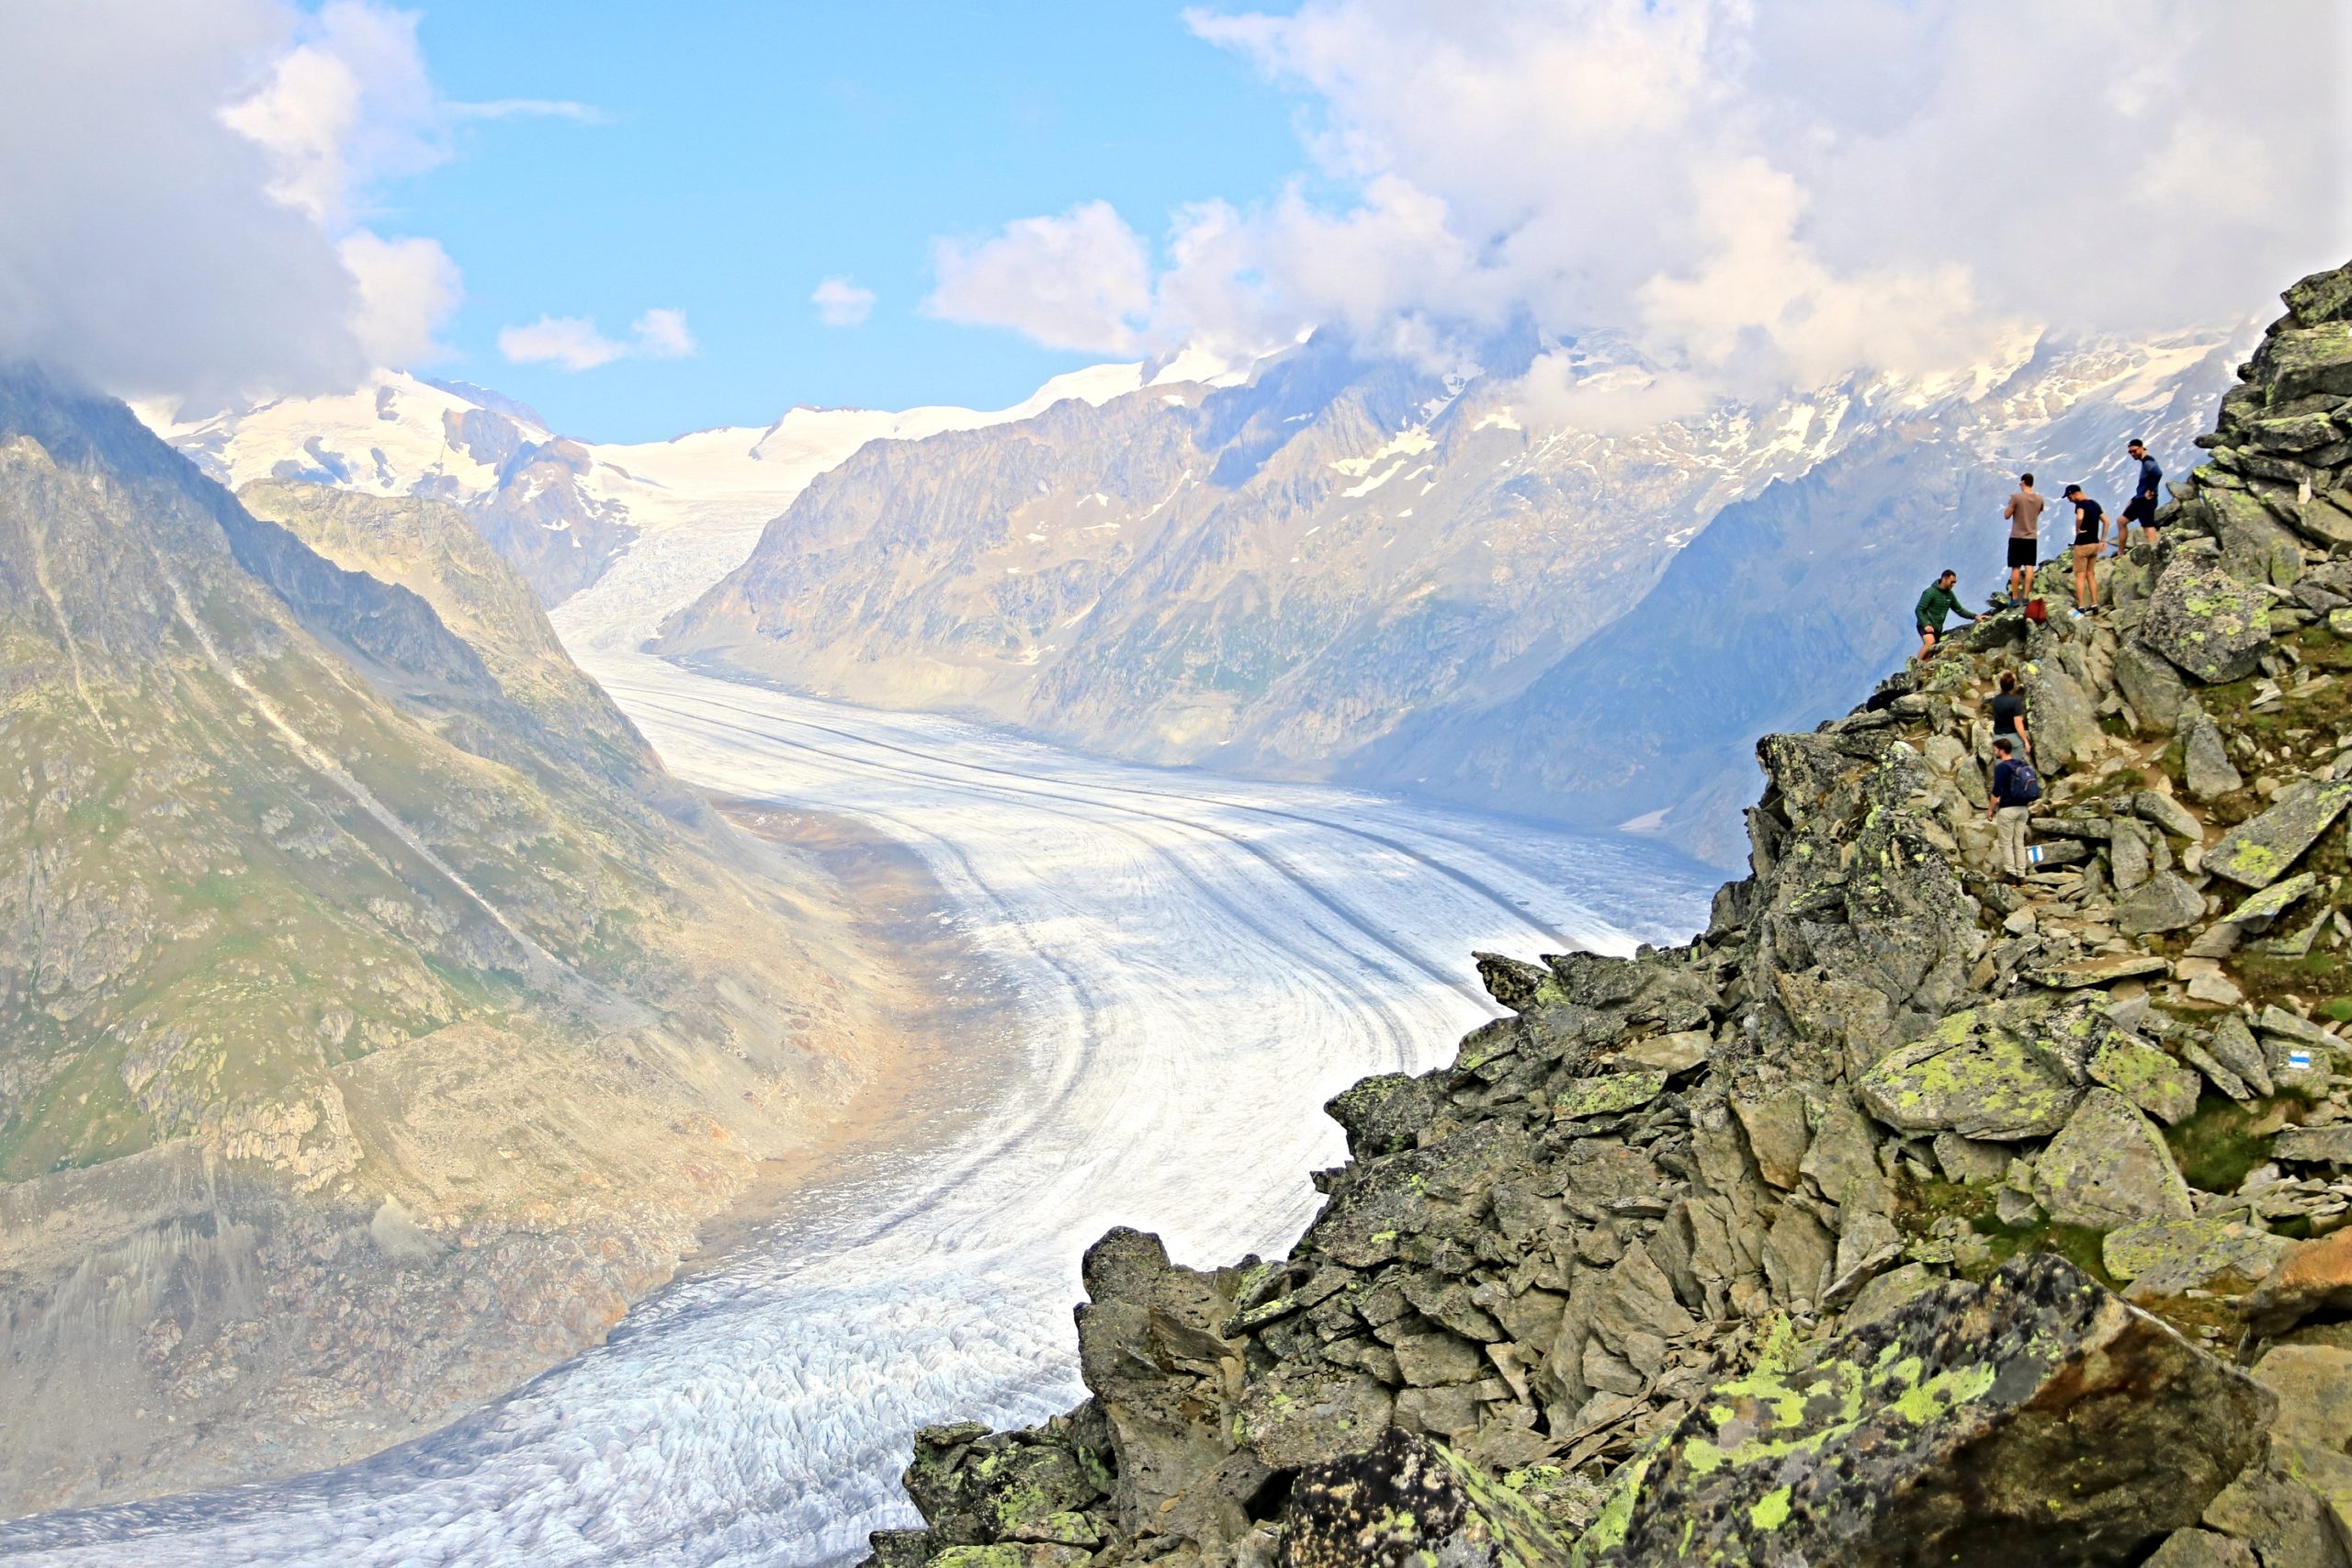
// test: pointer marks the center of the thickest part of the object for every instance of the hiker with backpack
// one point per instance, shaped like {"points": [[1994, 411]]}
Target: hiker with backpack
{"points": [[1928, 614], [2088, 517], [2014, 789], [2024, 512]]}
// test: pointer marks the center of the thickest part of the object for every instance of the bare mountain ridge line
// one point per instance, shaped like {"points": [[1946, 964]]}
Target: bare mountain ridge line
{"points": [[377, 1019]]}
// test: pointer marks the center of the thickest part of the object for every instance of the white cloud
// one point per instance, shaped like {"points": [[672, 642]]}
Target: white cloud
{"points": [[526, 109], [1745, 193], [160, 241], [840, 303], [407, 286], [574, 342], [1080, 280], [348, 105], [662, 334], [569, 342], [188, 193]]}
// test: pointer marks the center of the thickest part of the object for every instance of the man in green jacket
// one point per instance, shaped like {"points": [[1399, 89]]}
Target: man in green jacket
{"points": [[1934, 606]]}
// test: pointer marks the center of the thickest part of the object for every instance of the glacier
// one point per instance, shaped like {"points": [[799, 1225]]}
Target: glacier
{"points": [[1193, 964]]}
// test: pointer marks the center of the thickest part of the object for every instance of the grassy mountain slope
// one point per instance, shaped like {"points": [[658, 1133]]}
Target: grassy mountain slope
{"points": [[376, 1018]]}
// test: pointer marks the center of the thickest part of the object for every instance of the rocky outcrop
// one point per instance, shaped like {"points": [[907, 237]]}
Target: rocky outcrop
{"points": [[1801, 1243]]}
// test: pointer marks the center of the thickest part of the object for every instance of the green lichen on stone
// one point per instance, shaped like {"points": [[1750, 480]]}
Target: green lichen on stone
{"points": [[1607, 1092]]}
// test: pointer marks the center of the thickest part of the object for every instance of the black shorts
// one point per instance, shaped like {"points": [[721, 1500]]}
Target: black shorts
{"points": [[2023, 552], [2142, 511]]}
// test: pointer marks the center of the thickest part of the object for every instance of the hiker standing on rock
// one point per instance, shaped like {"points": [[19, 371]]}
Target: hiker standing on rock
{"points": [[2088, 517], [1937, 602], [2008, 715], [2014, 789], [2024, 512], [2146, 494]]}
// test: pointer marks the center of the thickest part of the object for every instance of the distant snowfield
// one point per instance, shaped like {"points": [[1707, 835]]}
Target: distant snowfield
{"points": [[1196, 965]]}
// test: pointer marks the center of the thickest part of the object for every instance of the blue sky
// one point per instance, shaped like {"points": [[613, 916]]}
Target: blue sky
{"points": [[619, 212], [747, 151]]}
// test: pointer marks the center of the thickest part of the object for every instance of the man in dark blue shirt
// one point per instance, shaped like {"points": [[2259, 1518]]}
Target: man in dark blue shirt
{"points": [[2145, 494]]}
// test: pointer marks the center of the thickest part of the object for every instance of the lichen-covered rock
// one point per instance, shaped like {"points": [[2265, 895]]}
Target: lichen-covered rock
{"points": [[2036, 1421], [2256, 547], [2209, 624], [2260, 851], [2146, 1077], [1409, 1503], [2169, 1257], [2108, 1167], [1972, 1075]]}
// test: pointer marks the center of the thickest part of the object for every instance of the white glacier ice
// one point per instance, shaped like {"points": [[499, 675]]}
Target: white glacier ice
{"points": [[1195, 964]]}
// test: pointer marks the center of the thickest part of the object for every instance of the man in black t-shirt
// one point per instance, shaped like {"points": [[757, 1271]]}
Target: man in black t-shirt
{"points": [[2146, 496], [2088, 517]]}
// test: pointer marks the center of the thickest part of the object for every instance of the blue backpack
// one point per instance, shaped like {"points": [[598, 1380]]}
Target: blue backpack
{"points": [[2025, 787]]}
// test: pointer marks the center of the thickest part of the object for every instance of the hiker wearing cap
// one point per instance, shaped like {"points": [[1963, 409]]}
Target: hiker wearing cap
{"points": [[2024, 512], [2014, 789], [1937, 602], [2145, 494], [2088, 517]]}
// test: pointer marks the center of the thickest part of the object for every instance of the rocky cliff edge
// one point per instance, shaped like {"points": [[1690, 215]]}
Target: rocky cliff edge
{"points": [[1907, 1215]]}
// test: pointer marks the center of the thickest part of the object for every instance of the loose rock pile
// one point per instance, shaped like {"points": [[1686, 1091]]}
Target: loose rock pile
{"points": [[1801, 1243]]}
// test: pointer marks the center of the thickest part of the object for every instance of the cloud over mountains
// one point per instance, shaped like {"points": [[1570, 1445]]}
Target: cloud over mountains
{"points": [[188, 193], [1751, 193]]}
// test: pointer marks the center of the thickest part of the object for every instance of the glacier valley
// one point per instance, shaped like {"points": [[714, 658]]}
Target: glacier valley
{"points": [[1194, 964]]}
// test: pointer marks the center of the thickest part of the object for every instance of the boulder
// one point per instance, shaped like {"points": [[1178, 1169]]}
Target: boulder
{"points": [[1957, 1428], [1972, 1076], [2234, 1047], [1144, 1314], [2315, 1145], [2260, 851], [2066, 730], [2300, 362], [2315, 1277], [2150, 684], [2209, 624], [2146, 1077], [2206, 765], [1407, 1502], [2256, 547], [1010, 1555], [2155, 806], [2163, 903], [2107, 1167], [2170, 1257], [2275, 1511], [2202, 1549], [2256, 912]]}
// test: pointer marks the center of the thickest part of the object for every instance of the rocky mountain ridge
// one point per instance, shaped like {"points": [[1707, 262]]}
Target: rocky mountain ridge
{"points": [[1907, 1214], [557, 508], [377, 1019], [1364, 571]]}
